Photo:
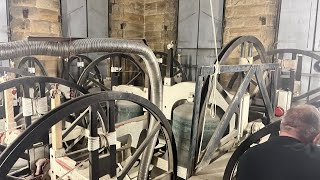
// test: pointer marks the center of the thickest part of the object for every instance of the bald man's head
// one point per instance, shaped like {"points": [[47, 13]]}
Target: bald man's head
{"points": [[301, 122]]}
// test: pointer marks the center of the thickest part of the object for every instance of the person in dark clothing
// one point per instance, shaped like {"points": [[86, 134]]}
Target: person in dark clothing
{"points": [[293, 155]]}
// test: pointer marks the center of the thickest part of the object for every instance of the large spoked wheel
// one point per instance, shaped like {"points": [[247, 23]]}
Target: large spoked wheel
{"points": [[40, 86], [230, 170], [177, 67], [82, 62], [29, 64], [88, 78], [247, 45], [309, 92], [121, 169]]}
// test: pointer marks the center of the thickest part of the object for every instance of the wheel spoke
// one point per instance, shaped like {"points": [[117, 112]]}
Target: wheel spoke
{"points": [[233, 80], [134, 78], [176, 73], [139, 151], [256, 89], [74, 123], [85, 85], [253, 82], [99, 84], [75, 142], [73, 79], [121, 168]]}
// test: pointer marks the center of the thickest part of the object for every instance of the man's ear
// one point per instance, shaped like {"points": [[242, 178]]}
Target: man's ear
{"points": [[316, 140]]}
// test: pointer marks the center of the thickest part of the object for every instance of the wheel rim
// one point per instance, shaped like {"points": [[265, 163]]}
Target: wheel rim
{"points": [[245, 145], [32, 61], [30, 136]]}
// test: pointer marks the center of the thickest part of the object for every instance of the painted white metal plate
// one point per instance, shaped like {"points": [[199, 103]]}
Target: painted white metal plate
{"points": [[297, 24], [187, 23], [74, 18], [206, 39]]}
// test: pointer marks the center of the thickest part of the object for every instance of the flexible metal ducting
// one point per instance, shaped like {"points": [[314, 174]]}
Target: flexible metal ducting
{"points": [[27, 48]]}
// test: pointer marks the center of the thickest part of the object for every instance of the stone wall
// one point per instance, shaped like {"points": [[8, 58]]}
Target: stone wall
{"points": [[127, 19], [160, 23], [251, 17], [154, 20], [36, 18]]}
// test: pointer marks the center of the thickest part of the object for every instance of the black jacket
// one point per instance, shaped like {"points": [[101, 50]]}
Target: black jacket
{"points": [[280, 158]]}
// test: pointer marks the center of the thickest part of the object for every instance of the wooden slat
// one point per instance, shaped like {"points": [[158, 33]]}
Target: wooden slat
{"points": [[57, 128], [8, 98]]}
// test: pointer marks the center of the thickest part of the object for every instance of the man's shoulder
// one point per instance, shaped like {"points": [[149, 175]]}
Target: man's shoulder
{"points": [[260, 147], [277, 153], [254, 152], [313, 152], [275, 147], [264, 148]]}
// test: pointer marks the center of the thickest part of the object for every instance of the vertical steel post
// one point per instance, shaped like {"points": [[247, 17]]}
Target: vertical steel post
{"points": [[93, 155]]}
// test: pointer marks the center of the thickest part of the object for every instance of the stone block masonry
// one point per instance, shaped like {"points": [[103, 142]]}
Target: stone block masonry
{"points": [[127, 19], [154, 20], [160, 23], [249, 17], [36, 18]]}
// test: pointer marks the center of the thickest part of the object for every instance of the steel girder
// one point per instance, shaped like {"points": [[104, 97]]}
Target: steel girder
{"points": [[202, 90]]}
